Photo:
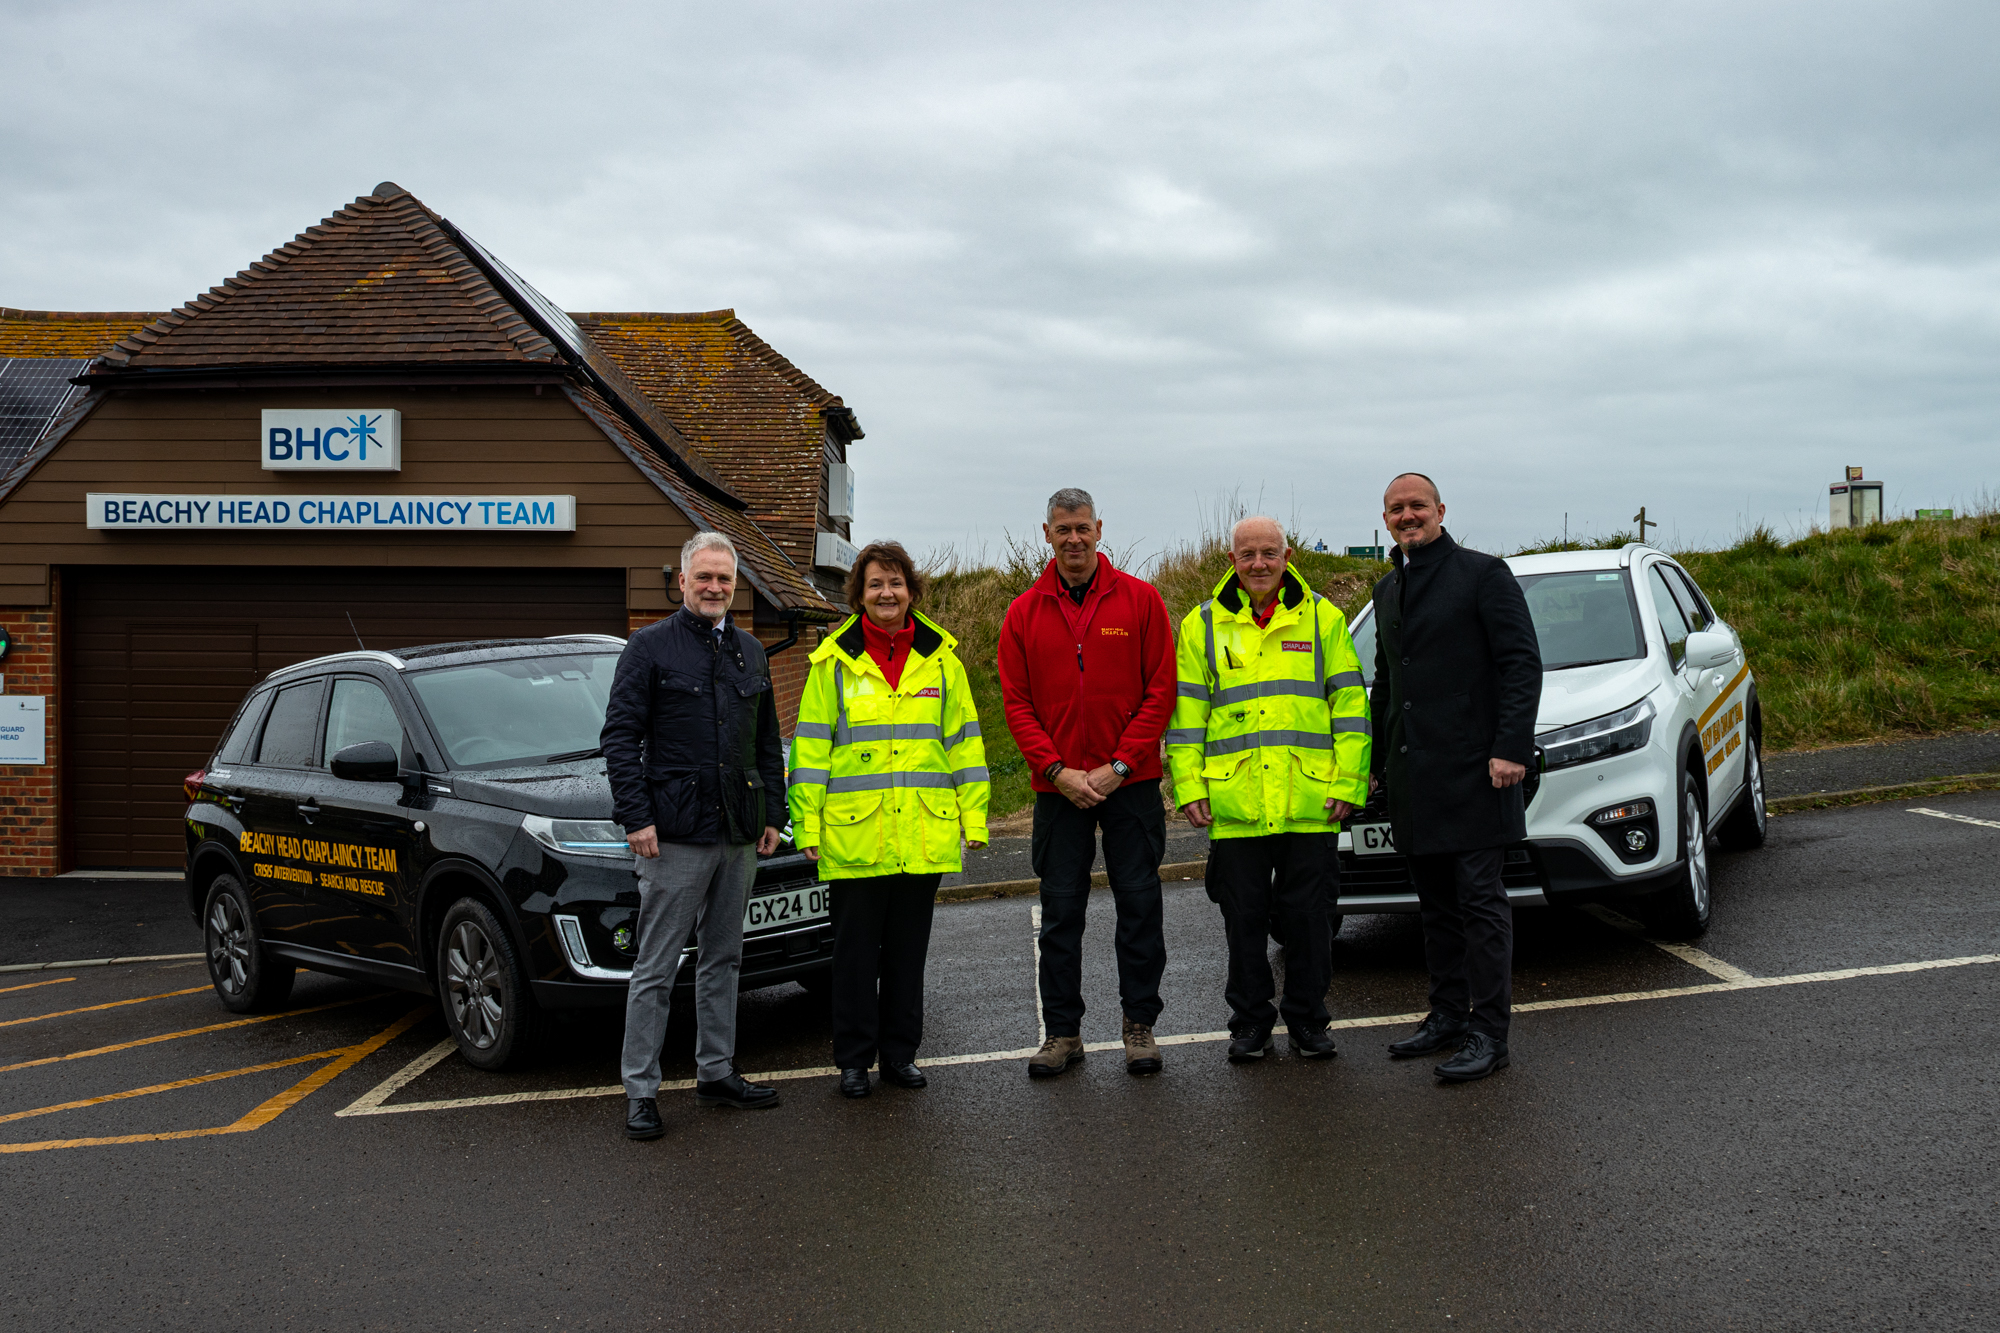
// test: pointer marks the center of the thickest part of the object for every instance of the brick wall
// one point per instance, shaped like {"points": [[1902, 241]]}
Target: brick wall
{"points": [[30, 824]]}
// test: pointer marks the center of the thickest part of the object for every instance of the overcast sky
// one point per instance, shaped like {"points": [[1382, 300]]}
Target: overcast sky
{"points": [[1567, 258]]}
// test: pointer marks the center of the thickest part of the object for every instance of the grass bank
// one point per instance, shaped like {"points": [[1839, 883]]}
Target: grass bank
{"points": [[1887, 631]]}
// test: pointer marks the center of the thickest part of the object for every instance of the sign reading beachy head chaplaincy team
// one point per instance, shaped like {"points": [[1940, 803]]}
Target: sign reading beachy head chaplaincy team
{"points": [[347, 439], [341, 513]]}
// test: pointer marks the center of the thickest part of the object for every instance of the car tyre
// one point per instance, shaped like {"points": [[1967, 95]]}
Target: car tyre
{"points": [[1747, 824], [483, 989], [247, 979], [819, 984], [1681, 911]]}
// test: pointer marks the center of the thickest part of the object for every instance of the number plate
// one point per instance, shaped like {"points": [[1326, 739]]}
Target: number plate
{"points": [[1372, 840], [790, 907]]}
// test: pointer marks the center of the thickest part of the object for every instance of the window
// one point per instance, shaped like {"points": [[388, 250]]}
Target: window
{"points": [[360, 712], [235, 747], [1673, 624], [520, 710], [1582, 618], [1700, 614], [1364, 648], [288, 736]]}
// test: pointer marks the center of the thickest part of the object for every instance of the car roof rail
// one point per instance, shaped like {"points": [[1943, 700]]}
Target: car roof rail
{"points": [[352, 654], [594, 638], [1625, 552]]}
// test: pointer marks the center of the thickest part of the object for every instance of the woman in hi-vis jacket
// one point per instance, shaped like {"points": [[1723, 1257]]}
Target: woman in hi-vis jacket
{"points": [[888, 774]]}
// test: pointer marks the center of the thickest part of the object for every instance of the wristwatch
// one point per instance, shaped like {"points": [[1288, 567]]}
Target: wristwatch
{"points": [[1053, 769], [1121, 768]]}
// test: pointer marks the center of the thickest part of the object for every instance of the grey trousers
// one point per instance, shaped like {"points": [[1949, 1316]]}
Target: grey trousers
{"points": [[688, 886]]}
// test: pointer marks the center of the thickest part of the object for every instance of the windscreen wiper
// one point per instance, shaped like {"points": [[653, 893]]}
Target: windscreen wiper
{"points": [[597, 753], [1602, 661]]}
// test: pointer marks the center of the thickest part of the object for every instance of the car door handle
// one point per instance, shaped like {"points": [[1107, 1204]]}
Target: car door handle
{"points": [[308, 809]]}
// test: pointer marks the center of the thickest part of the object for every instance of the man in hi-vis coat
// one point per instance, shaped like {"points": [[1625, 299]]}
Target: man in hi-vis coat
{"points": [[1458, 678]]}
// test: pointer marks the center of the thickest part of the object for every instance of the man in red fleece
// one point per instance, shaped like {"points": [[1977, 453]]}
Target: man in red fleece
{"points": [[1087, 671]]}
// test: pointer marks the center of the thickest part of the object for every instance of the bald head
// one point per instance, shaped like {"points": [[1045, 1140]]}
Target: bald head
{"points": [[1257, 529], [1411, 479], [1412, 511]]}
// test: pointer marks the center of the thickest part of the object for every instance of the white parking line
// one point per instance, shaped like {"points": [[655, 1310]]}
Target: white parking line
{"points": [[1035, 981], [375, 1100], [1687, 953], [1961, 819]]}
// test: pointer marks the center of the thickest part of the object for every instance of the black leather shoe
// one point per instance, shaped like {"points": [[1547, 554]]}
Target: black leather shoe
{"points": [[642, 1118], [854, 1083], [1481, 1055], [1313, 1045], [735, 1091], [905, 1075], [1252, 1045], [1439, 1032]]}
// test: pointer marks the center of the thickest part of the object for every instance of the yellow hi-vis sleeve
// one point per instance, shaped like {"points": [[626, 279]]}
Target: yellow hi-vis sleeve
{"points": [[1347, 701], [1187, 732], [965, 751], [812, 755]]}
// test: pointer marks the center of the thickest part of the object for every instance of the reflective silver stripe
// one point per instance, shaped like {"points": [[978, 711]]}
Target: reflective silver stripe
{"points": [[1192, 689], [1187, 736], [885, 781], [1359, 724], [962, 776], [1208, 632], [1302, 740], [893, 731], [1345, 680], [802, 776], [969, 729], [839, 703], [814, 731], [1263, 689]]}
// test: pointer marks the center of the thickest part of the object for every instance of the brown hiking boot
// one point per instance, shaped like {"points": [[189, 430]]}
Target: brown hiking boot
{"points": [[1142, 1053], [1056, 1055]]}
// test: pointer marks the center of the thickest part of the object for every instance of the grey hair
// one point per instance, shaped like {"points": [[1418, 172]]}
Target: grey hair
{"points": [[1072, 499], [707, 541], [1247, 520]]}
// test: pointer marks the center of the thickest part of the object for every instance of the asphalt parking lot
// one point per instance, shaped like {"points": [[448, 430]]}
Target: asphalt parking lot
{"points": [[1791, 1126]]}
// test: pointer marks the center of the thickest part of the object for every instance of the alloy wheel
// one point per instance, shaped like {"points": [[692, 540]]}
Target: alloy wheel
{"points": [[472, 979], [1757, 811], [228, 944], [1697, 853]]}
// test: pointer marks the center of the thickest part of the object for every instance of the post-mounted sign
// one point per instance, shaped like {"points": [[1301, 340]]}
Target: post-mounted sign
{"points": [[347, 439]]}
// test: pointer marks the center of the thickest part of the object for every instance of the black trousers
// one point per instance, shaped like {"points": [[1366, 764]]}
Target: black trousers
{"points": [[1468, 936], [881, 937], [1288, 878], [1064, 846]]}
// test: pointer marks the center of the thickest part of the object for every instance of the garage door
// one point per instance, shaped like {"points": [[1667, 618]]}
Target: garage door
{"points": [[156, 660]]}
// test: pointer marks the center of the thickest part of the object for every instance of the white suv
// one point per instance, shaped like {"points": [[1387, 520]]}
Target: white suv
{"points": [[1647, 744]]}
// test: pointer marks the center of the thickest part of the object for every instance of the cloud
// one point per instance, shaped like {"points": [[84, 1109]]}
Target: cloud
{"points": [[1569, 258]]}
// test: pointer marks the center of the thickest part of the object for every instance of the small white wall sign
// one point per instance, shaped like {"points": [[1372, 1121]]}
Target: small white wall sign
{"points": [[23, 729], [344, 439]]}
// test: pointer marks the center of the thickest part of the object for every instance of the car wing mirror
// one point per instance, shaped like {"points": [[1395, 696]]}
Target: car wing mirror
{"points": [[1706, 649], [369, 761]]}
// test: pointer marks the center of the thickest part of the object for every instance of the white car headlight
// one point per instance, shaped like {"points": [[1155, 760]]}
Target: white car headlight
{"points": [[1600, 737], [579, 837]]}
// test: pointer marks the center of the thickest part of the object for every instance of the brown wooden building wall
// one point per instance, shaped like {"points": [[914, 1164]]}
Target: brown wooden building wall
{"points": [[143, 642]]}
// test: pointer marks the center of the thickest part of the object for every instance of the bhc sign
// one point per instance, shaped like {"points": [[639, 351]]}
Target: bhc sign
{"points": [[356, 439]]}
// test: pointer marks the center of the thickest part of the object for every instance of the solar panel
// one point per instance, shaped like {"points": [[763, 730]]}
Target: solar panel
{"points": [[557, 324], [33, 390]]}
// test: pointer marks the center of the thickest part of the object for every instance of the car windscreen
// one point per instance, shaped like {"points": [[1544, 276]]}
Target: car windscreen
{"points": [[520, 710], [1583, 617]]}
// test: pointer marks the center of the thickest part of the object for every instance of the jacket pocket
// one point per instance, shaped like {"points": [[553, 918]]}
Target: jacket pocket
{"points": [[680, 682], [1234, 793], [676, 803], [851, 830], [1311, 784], [938, 807]]}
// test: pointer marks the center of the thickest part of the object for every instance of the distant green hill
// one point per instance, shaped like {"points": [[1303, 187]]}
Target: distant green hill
{"points": [[1890, 630]]}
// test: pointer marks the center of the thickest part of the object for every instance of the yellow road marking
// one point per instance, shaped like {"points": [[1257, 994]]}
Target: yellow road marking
{"points": [[31, 985], [93, 1008], [1727, 690], [169, 1087], [264, 1112], [186, 1032]]}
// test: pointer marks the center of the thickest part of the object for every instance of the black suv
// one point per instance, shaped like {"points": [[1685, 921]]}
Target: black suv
{"points": [[438, 820]]}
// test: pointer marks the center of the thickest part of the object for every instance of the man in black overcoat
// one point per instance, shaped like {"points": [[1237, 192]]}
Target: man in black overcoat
{"points": [[1458, 678]]}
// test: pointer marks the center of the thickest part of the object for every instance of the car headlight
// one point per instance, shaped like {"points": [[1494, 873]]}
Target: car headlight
{"points": [[579, 837], [1600, 737]]}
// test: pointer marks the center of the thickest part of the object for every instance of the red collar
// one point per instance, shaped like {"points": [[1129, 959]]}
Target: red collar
{"points": [[890, 649]]}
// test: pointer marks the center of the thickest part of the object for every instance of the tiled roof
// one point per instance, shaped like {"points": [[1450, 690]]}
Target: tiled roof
{"points": [[67, 333], [753, 414], [771, 571], [378, 282]]}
